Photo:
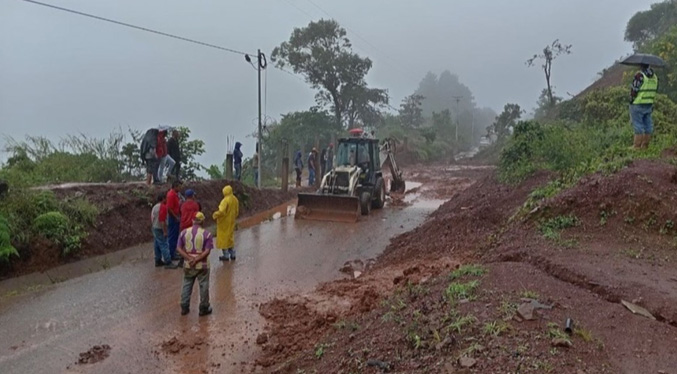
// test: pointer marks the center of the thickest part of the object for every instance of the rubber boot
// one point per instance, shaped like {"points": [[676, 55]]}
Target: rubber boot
{"points": [[646, 139], [637, 141]]}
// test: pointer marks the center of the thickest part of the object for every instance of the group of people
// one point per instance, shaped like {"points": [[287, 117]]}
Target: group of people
{"points": [[324, 163], [161, 156], [179, 235]]}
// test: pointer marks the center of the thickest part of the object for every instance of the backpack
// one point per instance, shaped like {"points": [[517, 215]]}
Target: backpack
{"points": [[148, 145]]}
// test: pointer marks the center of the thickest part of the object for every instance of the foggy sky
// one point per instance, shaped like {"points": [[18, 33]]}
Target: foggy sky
{"points": [[62, 73]]}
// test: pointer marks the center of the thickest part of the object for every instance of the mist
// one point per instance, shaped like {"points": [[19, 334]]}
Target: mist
{"points": [[62, 73]]}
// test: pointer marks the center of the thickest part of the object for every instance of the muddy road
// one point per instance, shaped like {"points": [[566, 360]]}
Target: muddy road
{"points": [[128, 310]]}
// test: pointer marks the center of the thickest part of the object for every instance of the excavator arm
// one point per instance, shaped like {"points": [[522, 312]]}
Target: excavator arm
{"points": [[387, 153]]}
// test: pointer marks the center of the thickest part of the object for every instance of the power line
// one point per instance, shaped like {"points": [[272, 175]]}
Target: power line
{"points": [[136, 27]]}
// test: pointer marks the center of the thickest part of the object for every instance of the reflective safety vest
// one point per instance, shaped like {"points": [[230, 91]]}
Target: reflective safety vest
{"points": [[647, 92]]}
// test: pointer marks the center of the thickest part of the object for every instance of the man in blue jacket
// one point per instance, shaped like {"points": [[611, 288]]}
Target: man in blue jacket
{"points": [[237, 161]]}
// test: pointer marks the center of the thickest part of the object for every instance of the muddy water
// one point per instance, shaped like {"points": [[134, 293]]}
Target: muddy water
{"points": [[133, 307]]}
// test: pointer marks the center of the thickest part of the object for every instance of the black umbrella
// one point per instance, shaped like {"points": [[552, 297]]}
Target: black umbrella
{"points": [[644, 59]]}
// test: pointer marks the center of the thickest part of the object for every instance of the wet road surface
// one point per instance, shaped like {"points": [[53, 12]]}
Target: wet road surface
{"points": [[133, 307]]}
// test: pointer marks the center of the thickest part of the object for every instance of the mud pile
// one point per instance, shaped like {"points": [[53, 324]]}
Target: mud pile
{"points": [[413, 313], [124, 217]]}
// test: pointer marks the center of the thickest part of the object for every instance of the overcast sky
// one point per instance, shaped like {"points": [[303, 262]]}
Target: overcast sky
{"points": [[64, 73]]}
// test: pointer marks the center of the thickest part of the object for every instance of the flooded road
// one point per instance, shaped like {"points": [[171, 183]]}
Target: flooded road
{"points": [[123, 301]]}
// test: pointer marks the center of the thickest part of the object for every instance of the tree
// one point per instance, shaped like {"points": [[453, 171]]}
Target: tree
{"points": [[439, 93], [543, 106], [410, 111], [364, 104], [506, 121], [323, 54], [647, 25], [549, 54]]}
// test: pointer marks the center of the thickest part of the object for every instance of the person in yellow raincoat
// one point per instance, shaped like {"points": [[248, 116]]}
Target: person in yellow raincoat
{"points": [[225, 217]]}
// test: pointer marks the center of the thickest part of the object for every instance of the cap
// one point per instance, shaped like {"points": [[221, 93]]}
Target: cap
{"points": [[189, 193], [199, 217]]}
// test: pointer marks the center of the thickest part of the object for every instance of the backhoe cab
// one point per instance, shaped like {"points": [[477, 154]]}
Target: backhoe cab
{"points": [[356, 184]]}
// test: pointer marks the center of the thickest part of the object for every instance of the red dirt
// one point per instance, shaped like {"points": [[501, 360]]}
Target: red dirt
{"points": [[396, 314], [124, 218]]}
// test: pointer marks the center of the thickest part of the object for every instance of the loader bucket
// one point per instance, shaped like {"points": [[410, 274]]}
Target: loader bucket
{"points": [[334, 208]]}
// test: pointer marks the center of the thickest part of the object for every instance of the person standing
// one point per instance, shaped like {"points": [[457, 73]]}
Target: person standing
{"points": [[642, 96], [166, 162], [158, 218], [255, 165], [298, 166], [323, 162], [312, 166], [174, 151], [225, 218], [237, 161], [195, 244], [174, 218], [148, 149], [189, 209], [330, 158]]}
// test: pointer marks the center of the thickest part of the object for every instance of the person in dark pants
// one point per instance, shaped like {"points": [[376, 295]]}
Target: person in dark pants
{"points": [[195, 244], [642, 97], [298, 166], [174, 151], [237, 161], [312, 166], [174, 218], [159, 221], [323, 162]]}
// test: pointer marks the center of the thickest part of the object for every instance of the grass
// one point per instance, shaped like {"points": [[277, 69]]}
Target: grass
{"points": [[460, 291], [468, 270], [529, 294], [551, 228], [554, 332], [508, 309], [461, 323], [320, 350], [496, 328], [584, 334]]}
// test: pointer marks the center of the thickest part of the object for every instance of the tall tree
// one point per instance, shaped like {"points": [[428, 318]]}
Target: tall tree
{"points": [[506, 121], [411, 113], [647, 25], [549, 54], [323, 54]]}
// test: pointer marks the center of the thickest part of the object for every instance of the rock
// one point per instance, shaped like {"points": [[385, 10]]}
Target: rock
{"points": [[636, 309], [467, 362], [444, 343], [449, 368], [563, 343], [356, 274], [526, 311], [384, 366], [262, 339]]}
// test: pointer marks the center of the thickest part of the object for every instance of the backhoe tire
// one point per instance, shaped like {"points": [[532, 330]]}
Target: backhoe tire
{"points": [[365, 203], [379, 195]]}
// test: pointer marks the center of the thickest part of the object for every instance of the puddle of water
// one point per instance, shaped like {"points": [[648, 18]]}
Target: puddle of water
{"points": [[284, 210]]}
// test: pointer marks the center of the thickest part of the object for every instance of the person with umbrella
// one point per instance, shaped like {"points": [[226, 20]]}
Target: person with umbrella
{"points": [[642, 96]]}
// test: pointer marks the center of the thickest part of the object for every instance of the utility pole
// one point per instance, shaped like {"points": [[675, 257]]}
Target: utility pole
{"points": [[261, 63], [458, 101]]}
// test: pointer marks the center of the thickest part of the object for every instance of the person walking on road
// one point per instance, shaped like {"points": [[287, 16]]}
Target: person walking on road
{"points": [[195, 244], [237, 161], [158, 217], [298, 166], [174, 151], [312, 166], [189, 209], [174, 218], [225, 218], [642, 96]]}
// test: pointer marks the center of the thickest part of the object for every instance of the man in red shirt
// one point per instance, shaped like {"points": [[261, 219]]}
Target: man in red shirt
{"points": [[174, 218], [189, 208]]}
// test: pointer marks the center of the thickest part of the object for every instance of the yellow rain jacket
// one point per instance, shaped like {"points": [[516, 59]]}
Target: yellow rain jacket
{"points": [[225, 217]]}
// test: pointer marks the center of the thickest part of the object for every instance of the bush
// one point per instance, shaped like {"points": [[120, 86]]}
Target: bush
{"points": [[80, 210], [6, 248], [56, 227]]}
